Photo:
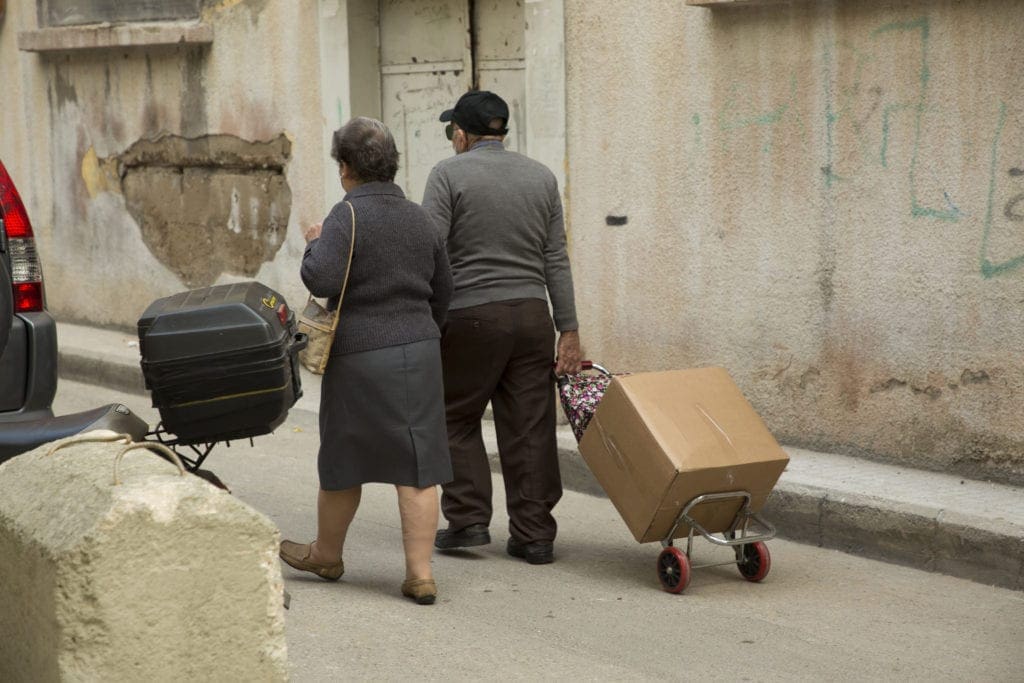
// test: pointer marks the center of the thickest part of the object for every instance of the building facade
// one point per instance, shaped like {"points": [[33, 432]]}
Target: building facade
{"points": [[824, 197]]}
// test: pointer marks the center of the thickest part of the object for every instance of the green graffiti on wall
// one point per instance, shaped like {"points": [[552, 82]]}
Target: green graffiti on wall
{"points": [[988, 268], [740, 111], [950, 213], [887, 113]]}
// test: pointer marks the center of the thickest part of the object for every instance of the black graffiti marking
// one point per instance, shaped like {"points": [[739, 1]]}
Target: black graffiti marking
{"points": [[1015, 172], [1011, 208], [616, 220]]}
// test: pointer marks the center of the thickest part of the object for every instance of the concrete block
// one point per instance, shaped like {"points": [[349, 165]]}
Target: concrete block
{"points": [[160, 577]]}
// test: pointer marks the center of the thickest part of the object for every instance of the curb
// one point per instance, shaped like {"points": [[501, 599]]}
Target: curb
{"points": [[928, 539], [828, 506], [925, 537], [81, 365]]}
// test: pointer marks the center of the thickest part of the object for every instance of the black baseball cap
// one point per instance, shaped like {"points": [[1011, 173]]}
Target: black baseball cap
{"points": [[474, 111]]}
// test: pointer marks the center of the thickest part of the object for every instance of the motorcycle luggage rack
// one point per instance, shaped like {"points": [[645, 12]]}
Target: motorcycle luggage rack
{"points": [[199, 451]]}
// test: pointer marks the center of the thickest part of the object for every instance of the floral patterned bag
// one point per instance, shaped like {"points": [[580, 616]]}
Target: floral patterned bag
{"points": [[580, 394]]}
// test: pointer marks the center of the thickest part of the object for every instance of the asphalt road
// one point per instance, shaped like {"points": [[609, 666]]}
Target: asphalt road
{"points": [[597, 612]]}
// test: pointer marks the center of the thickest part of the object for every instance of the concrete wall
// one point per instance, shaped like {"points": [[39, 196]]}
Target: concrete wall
{"points": [[823, 197], [71, 118]]}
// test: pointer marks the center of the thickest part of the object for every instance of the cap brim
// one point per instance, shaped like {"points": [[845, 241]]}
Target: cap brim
{"points": [[447, 115]]}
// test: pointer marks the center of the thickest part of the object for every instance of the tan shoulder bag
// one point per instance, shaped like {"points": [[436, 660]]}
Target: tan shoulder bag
{"points": [[319, 324]]}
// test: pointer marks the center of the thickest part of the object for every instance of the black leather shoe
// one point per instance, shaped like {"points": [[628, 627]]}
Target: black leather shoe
{"points": [[540, 552], [472, 535]]}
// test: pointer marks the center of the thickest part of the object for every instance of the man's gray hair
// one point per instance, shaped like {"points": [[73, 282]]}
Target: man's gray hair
{"points": [[368, 148]]}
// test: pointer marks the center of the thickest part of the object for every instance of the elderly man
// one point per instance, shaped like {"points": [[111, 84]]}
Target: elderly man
{"points": [[502, 217]]}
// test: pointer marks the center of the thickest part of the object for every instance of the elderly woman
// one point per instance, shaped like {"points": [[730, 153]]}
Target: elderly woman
{"points": [[382, 406]]}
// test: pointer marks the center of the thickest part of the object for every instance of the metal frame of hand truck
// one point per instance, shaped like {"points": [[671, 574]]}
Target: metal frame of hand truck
{"points": [[669, 568]]}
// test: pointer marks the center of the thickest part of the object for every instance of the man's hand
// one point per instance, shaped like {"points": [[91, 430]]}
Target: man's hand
{"points": [[312, 232], [568, 361]]}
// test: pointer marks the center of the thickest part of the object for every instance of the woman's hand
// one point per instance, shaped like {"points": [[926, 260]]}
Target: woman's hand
{"points": [[312, 232]]}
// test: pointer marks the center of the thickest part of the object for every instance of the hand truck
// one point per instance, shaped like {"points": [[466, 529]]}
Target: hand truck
{"points": [[580, 394]]}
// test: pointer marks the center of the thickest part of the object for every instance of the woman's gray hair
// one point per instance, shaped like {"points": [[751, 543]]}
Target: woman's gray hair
{"points": [[368, 147]]}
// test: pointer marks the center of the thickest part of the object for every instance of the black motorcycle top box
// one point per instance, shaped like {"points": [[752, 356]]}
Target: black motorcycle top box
{"points": [[221, 362]]}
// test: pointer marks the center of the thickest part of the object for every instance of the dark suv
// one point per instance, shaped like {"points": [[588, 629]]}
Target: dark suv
{"points": [[28, 364], [28, 345]]}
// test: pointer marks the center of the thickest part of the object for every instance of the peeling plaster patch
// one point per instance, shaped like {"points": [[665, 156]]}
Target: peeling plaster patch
{"points": [[212, 151], [209, 205], [99, 176]]}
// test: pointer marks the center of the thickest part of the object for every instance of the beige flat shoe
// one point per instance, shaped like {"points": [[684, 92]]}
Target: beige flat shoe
{"points": [[423, 591], [297, 555]]}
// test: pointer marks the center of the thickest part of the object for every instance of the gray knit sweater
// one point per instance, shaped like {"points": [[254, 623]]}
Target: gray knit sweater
{"points": [[501, 215], [400, 285]]}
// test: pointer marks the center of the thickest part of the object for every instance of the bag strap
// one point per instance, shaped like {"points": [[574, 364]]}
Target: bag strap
{"points": [[348, 268]]}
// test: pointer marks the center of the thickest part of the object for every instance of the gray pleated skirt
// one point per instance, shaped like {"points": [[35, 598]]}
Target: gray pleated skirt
{"points": [[382, 418]]}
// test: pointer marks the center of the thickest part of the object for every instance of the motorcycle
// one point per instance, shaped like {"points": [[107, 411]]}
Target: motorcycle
{"points": [[221, 364]]}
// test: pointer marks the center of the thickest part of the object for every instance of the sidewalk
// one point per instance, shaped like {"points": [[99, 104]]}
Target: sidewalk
{"points": [[930, 521]]}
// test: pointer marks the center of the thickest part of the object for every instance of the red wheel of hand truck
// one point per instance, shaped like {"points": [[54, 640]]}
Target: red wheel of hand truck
{"points": [[756, 562], [673, 570]]}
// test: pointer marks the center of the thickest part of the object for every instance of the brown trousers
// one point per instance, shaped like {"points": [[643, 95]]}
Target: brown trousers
{"points": [[503, 353]]}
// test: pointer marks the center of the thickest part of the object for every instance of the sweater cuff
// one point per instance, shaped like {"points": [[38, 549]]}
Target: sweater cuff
{"points": [[569, 324]]}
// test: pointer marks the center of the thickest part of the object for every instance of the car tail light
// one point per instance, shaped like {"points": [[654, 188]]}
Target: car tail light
{"points": [[26, 271]]}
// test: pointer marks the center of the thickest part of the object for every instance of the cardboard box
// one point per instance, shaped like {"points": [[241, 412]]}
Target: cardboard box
{"points": [[659, 439]]}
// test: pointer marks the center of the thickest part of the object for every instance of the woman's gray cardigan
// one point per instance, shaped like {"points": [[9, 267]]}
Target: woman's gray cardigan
{"points": [[401, 282]]}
